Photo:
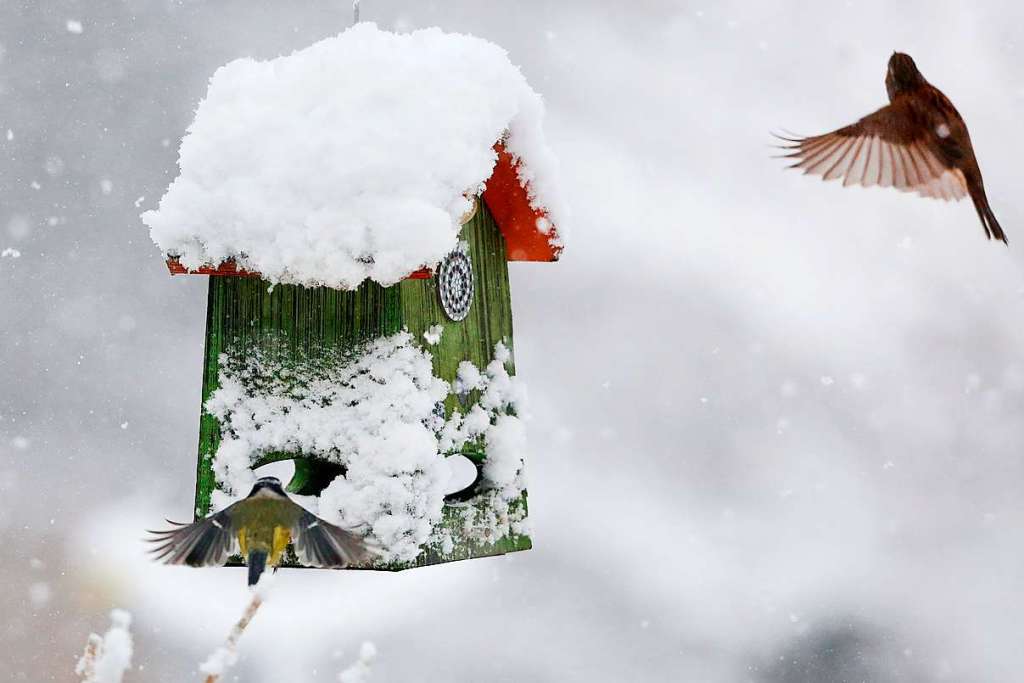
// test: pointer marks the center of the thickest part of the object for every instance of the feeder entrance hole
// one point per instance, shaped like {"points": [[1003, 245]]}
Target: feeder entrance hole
{"points": [[310, 476]]}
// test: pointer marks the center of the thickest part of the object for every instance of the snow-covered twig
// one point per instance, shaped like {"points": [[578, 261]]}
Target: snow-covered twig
{"points": [[86, 667], [107, 658], [359, 672], [225, 656]]}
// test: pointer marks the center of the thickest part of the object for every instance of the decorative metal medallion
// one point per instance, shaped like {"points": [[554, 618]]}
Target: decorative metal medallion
{"points": [[455, 284]]}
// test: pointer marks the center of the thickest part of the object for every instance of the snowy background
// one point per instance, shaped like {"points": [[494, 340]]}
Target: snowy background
{"points": [[776, 426]]}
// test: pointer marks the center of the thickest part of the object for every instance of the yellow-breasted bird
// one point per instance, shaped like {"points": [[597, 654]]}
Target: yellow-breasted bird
{"points": [[917, 143], [261, 525]]}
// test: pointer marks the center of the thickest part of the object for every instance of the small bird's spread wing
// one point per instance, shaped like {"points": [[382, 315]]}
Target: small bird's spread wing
{"points": [[323, 544], [888, 148], [205, 543]]}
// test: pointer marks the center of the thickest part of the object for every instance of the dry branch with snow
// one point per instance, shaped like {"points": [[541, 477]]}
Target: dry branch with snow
{"points": [[106, 658]]}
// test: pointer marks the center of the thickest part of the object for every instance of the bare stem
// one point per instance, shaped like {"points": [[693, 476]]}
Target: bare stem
{"points": [[231, 644], [86, 668]]}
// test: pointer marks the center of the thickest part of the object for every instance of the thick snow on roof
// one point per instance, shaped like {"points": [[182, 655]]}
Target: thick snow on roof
{"points": [[350, 159]]}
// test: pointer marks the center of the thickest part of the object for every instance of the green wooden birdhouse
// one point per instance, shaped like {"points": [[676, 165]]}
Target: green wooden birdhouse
{"points": [[278, 348], [356, 325]]}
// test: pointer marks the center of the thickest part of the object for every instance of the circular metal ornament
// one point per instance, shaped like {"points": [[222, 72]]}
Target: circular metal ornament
{"points": [[455, 285]]}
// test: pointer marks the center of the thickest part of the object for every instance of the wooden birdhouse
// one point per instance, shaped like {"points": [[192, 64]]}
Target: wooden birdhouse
{"points": [[347, 382]]}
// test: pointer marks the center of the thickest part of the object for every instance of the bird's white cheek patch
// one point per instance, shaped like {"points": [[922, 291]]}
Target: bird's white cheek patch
{"points": [[942, 130]]}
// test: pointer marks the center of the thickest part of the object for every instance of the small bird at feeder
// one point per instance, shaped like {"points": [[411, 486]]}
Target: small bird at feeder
{"points": [[917, 143], [261, 525]]}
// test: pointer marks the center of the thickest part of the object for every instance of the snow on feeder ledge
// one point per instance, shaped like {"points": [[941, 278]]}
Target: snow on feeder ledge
{"points": [[363, 323]]}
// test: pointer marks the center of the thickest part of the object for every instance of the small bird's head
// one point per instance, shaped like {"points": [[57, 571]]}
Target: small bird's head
{"points": [[267, 487], [902, 75]]}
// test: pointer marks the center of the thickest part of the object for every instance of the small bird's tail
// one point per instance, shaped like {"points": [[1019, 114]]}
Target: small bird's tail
{"points": [[988, 219], [256, 562]]}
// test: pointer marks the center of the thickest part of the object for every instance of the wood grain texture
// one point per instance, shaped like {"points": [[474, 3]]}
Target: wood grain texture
{"points": [[246, 316]]}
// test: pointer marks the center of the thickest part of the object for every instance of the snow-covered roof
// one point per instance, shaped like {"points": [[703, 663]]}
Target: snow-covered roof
{"points": [[353, 159]]}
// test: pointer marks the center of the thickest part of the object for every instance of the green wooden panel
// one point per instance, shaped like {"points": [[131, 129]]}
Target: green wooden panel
{"points": [[247, 316], [490, 316], [473, 339]]}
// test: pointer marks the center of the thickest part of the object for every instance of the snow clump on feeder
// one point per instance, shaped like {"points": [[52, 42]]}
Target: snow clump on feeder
{"points": [[350, 159], [374, 413], [495, 419], [433, 334]]}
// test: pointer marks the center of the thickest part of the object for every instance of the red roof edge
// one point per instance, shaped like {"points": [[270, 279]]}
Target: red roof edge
{"points": [[230, 268], [510, 205]]}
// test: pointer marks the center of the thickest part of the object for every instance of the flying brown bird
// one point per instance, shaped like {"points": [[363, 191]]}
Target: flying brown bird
{"points": [[917, 143]]}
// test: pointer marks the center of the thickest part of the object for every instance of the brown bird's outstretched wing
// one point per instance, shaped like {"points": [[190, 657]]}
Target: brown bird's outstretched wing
{"points": [[889, 148], [205, 543], [322, 544]]}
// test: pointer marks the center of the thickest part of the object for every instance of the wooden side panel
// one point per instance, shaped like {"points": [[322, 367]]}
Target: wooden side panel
{"points": [[246, 316], [490, 316], [473, 339]]}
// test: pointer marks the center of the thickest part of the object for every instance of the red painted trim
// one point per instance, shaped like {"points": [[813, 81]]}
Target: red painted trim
{"points": [[510, 206], [229, 268], [421, 274], [224, 269]]}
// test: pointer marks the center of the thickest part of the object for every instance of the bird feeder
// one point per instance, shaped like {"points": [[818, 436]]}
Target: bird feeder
{"points": [[364, 324], [467, 295]]}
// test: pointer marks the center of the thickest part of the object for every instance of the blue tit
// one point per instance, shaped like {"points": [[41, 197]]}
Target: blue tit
{"points": [[261, 526]]}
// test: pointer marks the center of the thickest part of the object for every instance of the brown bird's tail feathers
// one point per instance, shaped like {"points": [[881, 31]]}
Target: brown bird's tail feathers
{"points": [[988, 219]]}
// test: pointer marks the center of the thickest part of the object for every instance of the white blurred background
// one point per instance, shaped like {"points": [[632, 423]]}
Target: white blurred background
{"points": [[776, 424]]}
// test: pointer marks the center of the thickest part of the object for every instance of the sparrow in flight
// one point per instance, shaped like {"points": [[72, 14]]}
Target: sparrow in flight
{"points": [[917, 143], [260, 525]]}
